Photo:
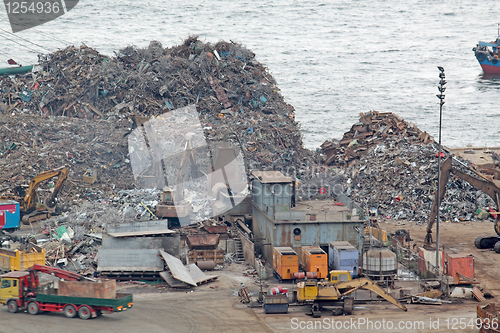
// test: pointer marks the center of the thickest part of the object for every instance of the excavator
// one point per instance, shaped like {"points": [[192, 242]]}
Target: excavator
{"points": [[482, 183], [28, 199], [337, 288]]}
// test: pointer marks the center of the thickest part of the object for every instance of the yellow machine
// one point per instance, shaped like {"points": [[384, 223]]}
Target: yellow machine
{"points": [[14, 260], [337, 288], [28, 199]]}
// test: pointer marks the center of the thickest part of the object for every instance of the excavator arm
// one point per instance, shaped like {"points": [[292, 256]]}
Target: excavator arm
{"points": [[63, 175], [364, 283], [482, 183], [29, 202], [445, 174]]}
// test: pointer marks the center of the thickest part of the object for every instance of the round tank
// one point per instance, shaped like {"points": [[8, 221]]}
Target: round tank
{"points": [[380, 263]]}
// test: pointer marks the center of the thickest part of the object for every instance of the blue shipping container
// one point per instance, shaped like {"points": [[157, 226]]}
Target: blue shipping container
{"points": [[343, 256], [9, 214]]}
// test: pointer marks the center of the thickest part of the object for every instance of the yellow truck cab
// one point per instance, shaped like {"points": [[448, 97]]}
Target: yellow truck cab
{"points": [[10, 289], [340, 276], [10, 284], [310, 289]]}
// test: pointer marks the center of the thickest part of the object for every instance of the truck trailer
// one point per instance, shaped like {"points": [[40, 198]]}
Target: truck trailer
{"points": [[21, 290]]}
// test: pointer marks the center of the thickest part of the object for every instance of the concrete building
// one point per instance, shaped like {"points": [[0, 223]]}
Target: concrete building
{"points": [[278, 221]]}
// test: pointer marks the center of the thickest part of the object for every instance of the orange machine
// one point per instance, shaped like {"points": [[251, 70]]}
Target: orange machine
{"points": [[285, 262], [314, 259]]}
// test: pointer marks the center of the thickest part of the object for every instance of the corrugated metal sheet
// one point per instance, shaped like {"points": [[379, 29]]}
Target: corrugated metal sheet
{"points": [[132, 260], [174, 283], [177, 269], [170, 244], [198, 275], [142, 228]]}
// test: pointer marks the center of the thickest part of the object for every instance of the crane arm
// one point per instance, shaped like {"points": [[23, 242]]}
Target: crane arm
{"points": [[364, 283], [482, 184], [60, 273]]}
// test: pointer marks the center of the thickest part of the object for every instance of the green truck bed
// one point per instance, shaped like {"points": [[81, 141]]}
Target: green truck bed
{"points": [[122, 300]]}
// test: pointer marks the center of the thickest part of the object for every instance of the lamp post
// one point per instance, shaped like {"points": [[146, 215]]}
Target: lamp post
{"points": [[441, 88]]}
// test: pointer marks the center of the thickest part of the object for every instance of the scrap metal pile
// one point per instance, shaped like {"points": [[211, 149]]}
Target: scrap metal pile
{"points": [[235, 95], [373, 128], [30, 145], [393, 167]]}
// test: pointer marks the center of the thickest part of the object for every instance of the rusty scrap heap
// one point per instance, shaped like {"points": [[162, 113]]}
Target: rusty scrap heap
{"points": [[80, 107], [373, 128], [392, 166]]}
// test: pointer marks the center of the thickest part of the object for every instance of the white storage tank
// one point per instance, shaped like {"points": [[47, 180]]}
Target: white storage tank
{"points": [[380, 263], [343, 256]]}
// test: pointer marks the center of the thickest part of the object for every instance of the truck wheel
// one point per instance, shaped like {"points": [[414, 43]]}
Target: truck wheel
{"points": [[84, 312], [70, 311], [33, 308], [12, 305]]}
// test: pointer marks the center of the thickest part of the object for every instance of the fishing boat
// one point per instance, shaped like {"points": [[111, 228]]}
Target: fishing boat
{"points": [[487, 53], [15, 70]]}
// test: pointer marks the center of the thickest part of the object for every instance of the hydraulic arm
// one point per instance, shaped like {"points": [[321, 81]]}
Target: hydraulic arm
{"points": [[480, 182]]}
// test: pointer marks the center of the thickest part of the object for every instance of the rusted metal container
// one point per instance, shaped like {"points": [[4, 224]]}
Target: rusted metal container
{"points": [[314, 259], [463, 263], [489, 317], [101, 289], [285, 262], [203, 242], [216, 229]]}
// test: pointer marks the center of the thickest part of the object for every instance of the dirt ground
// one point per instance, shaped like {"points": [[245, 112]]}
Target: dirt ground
{"points": [[458, 238], [385, 317], [214, 307]]}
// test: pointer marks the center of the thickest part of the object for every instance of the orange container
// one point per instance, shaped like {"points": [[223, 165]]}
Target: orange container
{"points": [[314, 259], [463, 263], [285, 262]]}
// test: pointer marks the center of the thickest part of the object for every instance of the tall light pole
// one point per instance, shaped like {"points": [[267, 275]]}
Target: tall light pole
{"points": [[441, 88]]}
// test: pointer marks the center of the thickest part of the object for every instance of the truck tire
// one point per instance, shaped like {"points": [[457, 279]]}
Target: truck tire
{"points": [[33, 308], [12, 306], [70, 311], [84, 312]]}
